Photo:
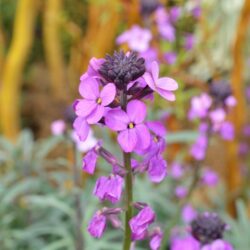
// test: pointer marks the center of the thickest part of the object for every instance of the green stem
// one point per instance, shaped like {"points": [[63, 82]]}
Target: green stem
{"points": [[128, 187]]}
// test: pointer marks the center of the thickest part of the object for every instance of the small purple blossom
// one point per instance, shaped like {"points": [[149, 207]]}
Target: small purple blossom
{"points": [[137, 38], [189, 42], [133, 134], [188, 213], [163, 86], [170, 57], [218, 245], [139, 223], [177, 171], [227, 131], [58, 127], [155, 240], [181, 191], [109, 188], [89, 161], [92, 107], [198, 149], [157, 169], [175, 13], [199, 106], [209, 178], [97, 225]]}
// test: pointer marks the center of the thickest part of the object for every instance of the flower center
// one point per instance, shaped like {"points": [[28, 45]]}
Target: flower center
{"points": [[131, 125], [99, 100], [155, 139]]}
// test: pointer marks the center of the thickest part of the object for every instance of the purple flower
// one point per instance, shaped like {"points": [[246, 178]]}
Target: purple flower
{"points": [[217, 117], [185, 243], [167, 31], [81, 128], [227, 131], [188, 213], [133, 134], [175, 13], [92, 107], [155, 241], [89, 161], [231, 101], [58, 127], [196, 11], [246, 130], [157, 169], [163, 86], [139, 223], [109, 188], [137, 38], [181, 191], [198, 149], [177, 171], [170, 57], [199, 106], [149, 55], [218, 245], [97, 225], [209, 178], [189, 42]]}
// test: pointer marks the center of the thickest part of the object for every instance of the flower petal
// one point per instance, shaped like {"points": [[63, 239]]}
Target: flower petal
{"points": [[166, 94], [143, 137], [127, 140], [81, 127], [155, 70], [116, 119], [149, 80], [167, 83], [96, 115], [108, 94], [136, 111], [85, 107], [89, 88]]}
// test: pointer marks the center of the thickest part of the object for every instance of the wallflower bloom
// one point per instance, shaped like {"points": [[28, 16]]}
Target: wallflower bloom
{"points": [[109, 188], [137, 38], [177, 171], [217, 117], [97, 225], [133, 134], [139, 223], [58, 127], [189, 42], [81, 128], [188, 213], [163, 86], [198, 149], [170, 57], [92, 107], [157, 169], [89, 161], [209, 178], [93, 68], [199, 106], [155, 241], [181, 191], [227, 131]]}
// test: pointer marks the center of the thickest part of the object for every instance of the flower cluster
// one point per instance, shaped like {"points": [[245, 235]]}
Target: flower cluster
{"points": [[113, 91], [212, 109]]}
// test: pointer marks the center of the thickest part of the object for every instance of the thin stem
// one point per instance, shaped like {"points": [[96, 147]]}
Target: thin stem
{"points": [[128, 187]]}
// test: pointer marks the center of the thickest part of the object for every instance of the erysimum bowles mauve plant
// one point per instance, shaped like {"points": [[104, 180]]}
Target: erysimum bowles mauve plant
{"points": [[113, 91]]}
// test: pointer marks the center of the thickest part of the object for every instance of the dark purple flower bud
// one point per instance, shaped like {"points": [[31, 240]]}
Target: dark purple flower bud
{"points": [[147, 7], [122, 68], [220, 91], [97, 225], [207, 227]]}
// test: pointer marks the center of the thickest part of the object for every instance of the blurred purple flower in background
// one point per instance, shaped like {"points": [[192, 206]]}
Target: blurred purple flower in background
{"points": [[137, 38], [209, 177], [170, 57], [189, 42], [188, 213], [58, 127]]}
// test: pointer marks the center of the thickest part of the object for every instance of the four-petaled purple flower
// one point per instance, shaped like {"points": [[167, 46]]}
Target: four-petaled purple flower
{"points": [[92, 107], [163, 86], [133, 134]]}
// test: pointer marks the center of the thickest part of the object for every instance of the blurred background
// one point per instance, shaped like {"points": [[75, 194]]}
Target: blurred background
{"points": [[46, 45]]}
